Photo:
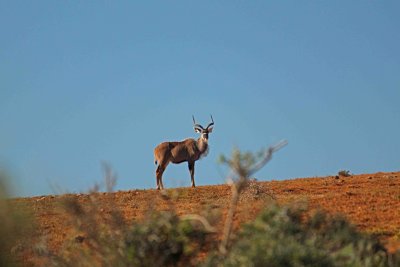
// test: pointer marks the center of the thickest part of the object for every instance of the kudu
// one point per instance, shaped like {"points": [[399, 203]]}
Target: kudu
{"points": [[188, 150]]}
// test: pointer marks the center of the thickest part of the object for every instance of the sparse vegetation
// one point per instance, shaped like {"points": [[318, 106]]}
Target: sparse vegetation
{"points": [[104, 238], [279, 236], [161, 239]]}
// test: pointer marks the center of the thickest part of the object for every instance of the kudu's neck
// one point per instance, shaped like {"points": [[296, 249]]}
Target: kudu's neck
{"points": [[202, 145]]}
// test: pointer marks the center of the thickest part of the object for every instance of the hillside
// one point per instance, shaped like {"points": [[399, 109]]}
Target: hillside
{"points": [[370, 201]]}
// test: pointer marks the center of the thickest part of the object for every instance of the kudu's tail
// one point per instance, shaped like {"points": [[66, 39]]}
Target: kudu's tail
{"points": [[155, 157]]}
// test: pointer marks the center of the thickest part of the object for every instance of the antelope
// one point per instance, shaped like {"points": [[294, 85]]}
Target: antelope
{"points": [[189, 150]]}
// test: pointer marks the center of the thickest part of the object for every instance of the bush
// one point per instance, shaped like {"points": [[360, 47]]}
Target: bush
{"points": [[6, 236], [15, 225], [279, 237], [164, 240]]}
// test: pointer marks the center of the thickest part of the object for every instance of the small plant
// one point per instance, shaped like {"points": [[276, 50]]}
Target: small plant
{"points": [[344, 173]]}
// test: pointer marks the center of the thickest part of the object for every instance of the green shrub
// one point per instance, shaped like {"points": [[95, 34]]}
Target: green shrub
{"points": [[279, 237], [16, 225], [6, 237], [164, 240]]}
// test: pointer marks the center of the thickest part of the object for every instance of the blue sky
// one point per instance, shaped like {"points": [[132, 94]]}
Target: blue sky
{"points": [[83, 82]]}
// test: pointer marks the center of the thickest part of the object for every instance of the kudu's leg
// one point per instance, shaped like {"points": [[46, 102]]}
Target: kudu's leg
{"points": [[159, 172], [157, 179], [191, 170]]}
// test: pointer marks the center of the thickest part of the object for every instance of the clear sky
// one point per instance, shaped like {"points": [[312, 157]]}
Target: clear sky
{"points": [[83, 82]]}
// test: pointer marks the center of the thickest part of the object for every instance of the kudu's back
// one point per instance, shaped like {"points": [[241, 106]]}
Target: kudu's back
{"points": [[176, 152]]}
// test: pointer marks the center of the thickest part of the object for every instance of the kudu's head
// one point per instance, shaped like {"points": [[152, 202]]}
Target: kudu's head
{"points": [[203, 131]]}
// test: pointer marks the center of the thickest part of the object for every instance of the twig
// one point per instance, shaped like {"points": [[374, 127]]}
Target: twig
{"points": [[201, 219], [268, 156], [237, 188]]}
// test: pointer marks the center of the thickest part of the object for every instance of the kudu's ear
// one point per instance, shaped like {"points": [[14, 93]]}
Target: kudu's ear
{"points": [[210, 130], [197, 130]]}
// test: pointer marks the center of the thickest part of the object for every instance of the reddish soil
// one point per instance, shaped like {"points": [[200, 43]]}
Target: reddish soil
{"points": [[370, 201]]}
